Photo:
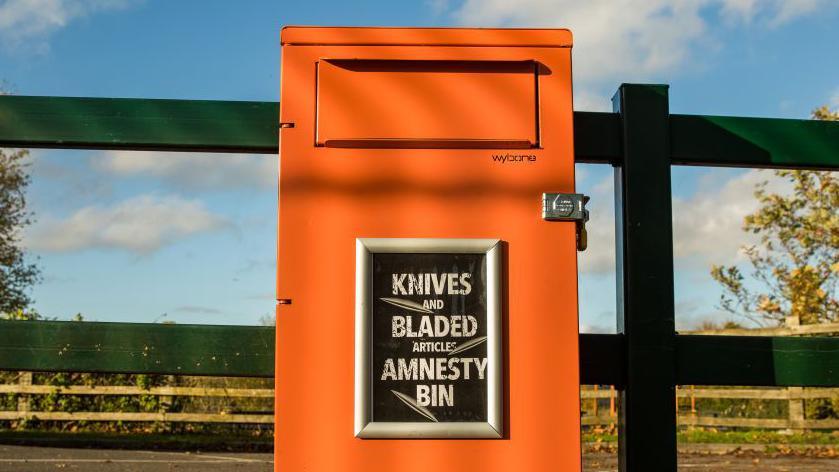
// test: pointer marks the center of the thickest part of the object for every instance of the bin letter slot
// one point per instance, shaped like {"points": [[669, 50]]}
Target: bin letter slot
{"points": [[364, 103]]}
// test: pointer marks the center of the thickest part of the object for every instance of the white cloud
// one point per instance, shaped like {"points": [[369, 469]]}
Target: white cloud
{"points": [[612, 37], [834, 98], [437, 7], [772, 12], [139, 225], [191, 170], [786, 10], [198, 310], [707, 227], [31, 22], [594, 328], [739, 10], [633, 40], [585, 99], [599, 257]]}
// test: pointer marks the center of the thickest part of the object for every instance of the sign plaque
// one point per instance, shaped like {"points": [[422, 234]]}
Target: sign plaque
{"points": [[428, 338]]}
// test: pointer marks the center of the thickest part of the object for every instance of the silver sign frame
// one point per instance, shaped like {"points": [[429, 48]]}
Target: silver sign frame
{"points": [[365, 427]]}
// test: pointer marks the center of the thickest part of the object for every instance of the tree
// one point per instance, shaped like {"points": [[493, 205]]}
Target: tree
{"points": [[17, 273], [796, 263]]}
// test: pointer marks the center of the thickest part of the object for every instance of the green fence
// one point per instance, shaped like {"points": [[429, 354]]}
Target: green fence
{"points": [[645, 361]]}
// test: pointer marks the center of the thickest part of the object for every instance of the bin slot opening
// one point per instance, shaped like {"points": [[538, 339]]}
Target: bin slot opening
{"points": [[458, 104]]}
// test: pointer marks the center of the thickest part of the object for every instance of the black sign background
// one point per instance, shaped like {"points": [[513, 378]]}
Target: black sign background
{"points": [[470, 396]]}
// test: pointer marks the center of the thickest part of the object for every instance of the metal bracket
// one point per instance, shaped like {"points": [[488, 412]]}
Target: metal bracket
{"points": [[568, 207]]}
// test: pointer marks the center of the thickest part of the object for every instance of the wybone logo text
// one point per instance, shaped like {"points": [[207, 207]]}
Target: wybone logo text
{"points": [[511, 158]]}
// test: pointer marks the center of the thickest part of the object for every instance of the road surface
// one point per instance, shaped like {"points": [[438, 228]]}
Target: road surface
{"points": [[605, 462], [42, 459]]}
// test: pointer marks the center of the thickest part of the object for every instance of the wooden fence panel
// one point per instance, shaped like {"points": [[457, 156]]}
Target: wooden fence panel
{"points": [[794, 421]]}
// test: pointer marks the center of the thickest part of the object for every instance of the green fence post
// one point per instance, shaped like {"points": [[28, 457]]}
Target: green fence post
{"points": [[644, 254]]}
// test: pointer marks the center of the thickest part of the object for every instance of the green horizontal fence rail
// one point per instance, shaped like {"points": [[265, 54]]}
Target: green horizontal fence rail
{"points": [[72, 346], [64, 346], [252, 127], [645, 361], [757, 361], [59, 346], [147, 124]]}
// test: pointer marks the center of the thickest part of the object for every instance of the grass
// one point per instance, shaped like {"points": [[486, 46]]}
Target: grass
{"points": [[711, 436], [700, 436]]}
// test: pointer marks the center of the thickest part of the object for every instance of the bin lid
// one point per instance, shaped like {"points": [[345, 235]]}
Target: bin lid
{"points": [[314, 35]]}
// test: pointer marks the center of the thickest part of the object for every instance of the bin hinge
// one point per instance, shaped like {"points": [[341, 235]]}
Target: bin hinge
{"points": [[568, 207]]}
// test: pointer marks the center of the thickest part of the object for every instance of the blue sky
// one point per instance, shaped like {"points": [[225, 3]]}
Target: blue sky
{"points": [[151, 236]]}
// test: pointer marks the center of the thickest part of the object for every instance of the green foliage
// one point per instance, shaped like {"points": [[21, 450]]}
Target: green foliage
{"points": [[713, 436], [708, 325], [55, 401], [600, 436], [735, 407], [21, 315], [822, 408], [17, 274], [797, 260]]}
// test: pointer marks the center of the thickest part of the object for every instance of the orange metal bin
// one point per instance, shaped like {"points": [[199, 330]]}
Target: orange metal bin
{"points": [[425, 133]]}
